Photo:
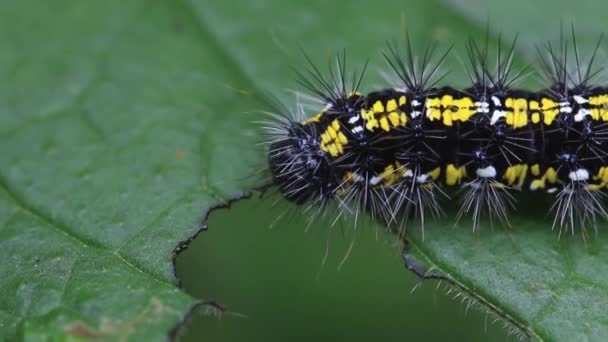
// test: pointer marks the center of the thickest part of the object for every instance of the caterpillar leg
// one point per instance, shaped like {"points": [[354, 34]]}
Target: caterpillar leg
{"points": [[359, 193], [416, 195], [485, 196], [578, 204]]}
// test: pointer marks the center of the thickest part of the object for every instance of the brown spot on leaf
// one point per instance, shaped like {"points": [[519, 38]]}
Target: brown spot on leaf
{"points": [[80, 329]]}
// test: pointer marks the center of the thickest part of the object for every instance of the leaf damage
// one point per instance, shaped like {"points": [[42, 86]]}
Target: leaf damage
{"points": [[463, 293]]}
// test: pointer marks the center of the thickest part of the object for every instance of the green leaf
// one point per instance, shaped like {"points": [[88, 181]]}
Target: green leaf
{"points": [[122, 121], [542, 286], [117, 130]]}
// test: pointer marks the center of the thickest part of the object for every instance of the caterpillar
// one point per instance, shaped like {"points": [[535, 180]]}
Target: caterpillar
{"points": [[394, 152]]}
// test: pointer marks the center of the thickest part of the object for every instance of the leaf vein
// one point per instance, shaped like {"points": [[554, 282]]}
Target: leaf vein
{"points": [[65, 231]]}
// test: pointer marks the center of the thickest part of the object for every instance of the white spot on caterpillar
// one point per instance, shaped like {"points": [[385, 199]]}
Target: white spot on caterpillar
{"points": [[496, 101], [497, 115], [580, 99], [482, 107], [486, 172], [408, 174], [357, 129], [354, 119], [564, 107], [581, 114], [422, 178], [416, 103], [415, 114], [579, 175], [375, 180]]}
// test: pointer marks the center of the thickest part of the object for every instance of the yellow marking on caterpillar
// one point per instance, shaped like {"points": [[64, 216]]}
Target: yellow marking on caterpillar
{"points": [[391, 105], [537, 184], [370, 119], [394, 118], [454, 174], [464, 109], [350, 178], [516, 174], [435, 173], [535, 170], [333, 140], [402, 100], [447, 102], [384, 117], [450, 109], [535, 118], [384, 124], [389, 175], [602, 176], [534, 107], [432, 108], [517, 116], [549, 176], [598, 100], [378, 107], [549, 109], [599, 104], [315, 118]]}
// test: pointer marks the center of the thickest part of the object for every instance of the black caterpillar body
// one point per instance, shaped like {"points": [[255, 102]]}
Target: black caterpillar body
{"points": [[393, 151]]}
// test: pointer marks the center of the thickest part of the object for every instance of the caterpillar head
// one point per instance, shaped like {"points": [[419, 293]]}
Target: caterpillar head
{"points": [[298, 165]]}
